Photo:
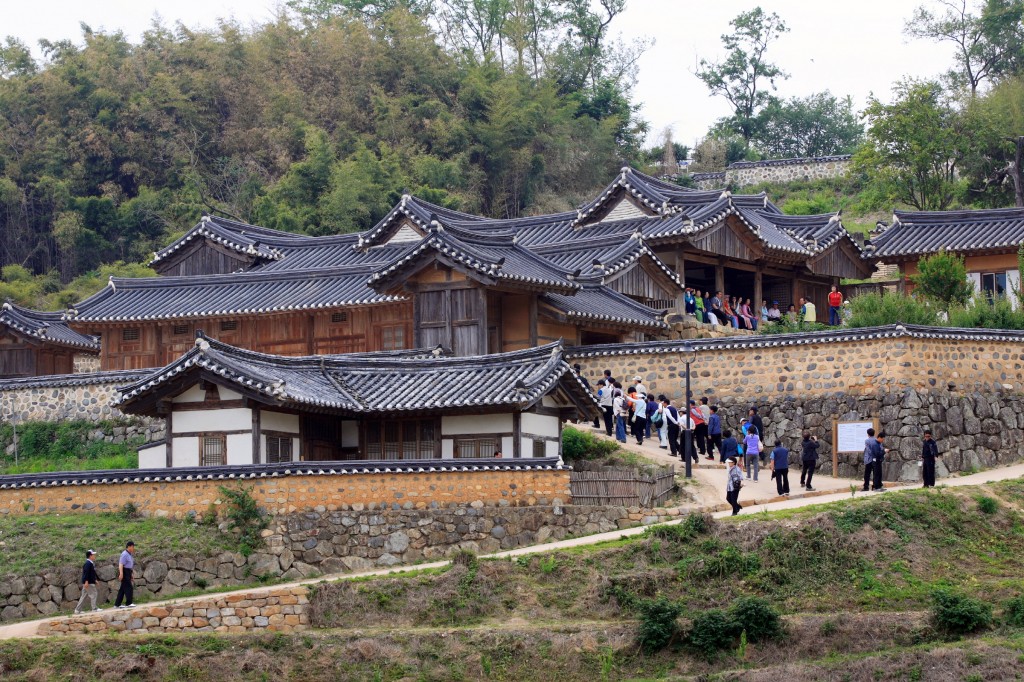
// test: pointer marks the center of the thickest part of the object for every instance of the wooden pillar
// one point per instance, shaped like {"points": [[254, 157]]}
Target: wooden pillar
{"points": [[168, 432], [758, 290], [517, 435], [719, 278], [681, 271], [256, 455]]}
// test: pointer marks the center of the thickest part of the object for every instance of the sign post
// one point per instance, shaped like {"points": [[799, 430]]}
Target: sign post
{"points": [[848, 437]]}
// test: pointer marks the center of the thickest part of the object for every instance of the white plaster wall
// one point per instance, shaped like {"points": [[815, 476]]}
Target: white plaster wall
{"points": [[228, 394], [194, 394], [234, 419], [349, 434], [239, 448], [551, 448], [447, 448], [279, 421], [540, 425], [506, 446], [526, 447], [153, 457], [186, 451], [473, 424]]}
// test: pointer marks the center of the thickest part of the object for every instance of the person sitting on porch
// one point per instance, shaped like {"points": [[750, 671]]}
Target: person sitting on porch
{"points": [[764, 311], [698, 300], [791, 314], [808, 315], [689, 302], [729, 314], [774, 314], [748, 314]]}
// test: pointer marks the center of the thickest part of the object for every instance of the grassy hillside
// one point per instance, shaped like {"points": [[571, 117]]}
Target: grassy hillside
{"points": [[854, 583]]}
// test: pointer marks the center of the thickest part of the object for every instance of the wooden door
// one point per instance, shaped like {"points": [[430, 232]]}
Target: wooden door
{"points": [[453, 318]]}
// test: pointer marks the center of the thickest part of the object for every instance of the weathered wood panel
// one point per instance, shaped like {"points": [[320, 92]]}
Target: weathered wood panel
{"points": [[622, 487], [726, 240], [202, 258]]}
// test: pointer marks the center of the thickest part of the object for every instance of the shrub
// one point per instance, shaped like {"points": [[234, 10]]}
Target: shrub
{"points": [[658, 623], [578, 444], [874, 310], [988, 505], [1014, 612], [711, 632], [756, 617], [943, 276], [245, 517], [787, 327], [985, 313], [959, 614]]}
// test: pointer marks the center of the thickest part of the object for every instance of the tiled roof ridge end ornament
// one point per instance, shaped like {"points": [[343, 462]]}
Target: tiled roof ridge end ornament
{"points": [[110, 281]]}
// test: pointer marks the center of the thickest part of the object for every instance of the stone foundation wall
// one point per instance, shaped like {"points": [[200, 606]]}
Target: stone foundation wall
{"points": [[273, 610], [305, 545], [746, 173], [65, 397], [292, 493], [84, 363]]}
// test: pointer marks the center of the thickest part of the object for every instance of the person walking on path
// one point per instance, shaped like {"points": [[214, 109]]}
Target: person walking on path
{"points": [[835, 306], [752, 450], [638, 420], [929, 451], [780, 468], [715, 434], [652, 408], [607, 402], [870, 446], [809, 459], [621, 409], [730, 448], [125, 569], [658, 420], [89, 581], [671, 415], [705, 413], [757, 422], [700, 430], [733, 484]]}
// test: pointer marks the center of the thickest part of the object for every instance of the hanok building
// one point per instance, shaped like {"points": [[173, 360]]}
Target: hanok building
{"points": [[33, 343], [610, 272], [988, 240], [227, 406]]}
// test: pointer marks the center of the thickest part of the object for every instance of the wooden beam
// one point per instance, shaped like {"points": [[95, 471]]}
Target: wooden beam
{"points": [[517, 435]]}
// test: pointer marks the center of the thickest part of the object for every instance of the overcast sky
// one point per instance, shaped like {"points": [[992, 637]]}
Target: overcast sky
{"points": [[851, 48]]}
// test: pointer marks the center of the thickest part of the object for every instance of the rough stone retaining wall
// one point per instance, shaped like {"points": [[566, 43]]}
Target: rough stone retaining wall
{"points": [[289, 494], [274, 610], [969, 390], [746, 173], [324, 542], [64, 397]]}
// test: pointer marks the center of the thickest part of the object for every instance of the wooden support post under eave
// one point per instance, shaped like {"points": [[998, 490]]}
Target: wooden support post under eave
{"points": [[681, 271], [719, 278], [517, 435], [256, 433], [169, 435], [758, 290]]}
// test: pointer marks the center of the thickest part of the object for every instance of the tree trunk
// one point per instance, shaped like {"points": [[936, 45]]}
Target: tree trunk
{"points": [[1017, 171]]}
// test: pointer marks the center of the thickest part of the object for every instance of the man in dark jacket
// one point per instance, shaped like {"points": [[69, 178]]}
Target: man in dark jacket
{"points": [[871, 449], [730, 448], [89, 581], [715, 435], [780, 468], [758, 423], [809, 459], [929, 451]]}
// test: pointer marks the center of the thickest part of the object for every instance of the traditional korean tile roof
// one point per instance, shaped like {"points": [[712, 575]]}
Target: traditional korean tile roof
{"points": [[492, 254], [115, 377], [129, 300], [46, 327], [421, 213], [916, 233], [260, 471], [378, 383], [244, 239], [599, 304], [602, 258]]}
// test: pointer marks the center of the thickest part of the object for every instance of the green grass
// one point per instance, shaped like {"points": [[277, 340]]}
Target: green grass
{"points": [[65, 446], [39, 542]]}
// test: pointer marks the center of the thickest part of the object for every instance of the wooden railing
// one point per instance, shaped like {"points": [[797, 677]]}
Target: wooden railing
{"points": [[622, 487]]}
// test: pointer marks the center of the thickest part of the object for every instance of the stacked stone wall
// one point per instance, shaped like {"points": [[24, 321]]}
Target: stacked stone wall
{"points": [[305, 545], [283, 609], [747, 173], [288, 494], [84, 363], [969, 392], [51, 401]]}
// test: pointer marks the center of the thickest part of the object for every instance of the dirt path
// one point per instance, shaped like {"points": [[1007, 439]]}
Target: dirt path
{"points": [[28, 628]]}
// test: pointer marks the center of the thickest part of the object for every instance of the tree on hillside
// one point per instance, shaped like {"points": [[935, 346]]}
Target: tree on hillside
{"points": [[817, 125], [996, 162], [745, 76], [943, 278], [914, 147], [321, 10], [989, 39]]}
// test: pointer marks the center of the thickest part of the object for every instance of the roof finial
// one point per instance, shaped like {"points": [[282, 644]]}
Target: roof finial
{"points": [[110, 282]]}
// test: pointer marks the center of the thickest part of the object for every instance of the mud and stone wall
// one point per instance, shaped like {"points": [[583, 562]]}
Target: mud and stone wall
{"points": [[968, 390], [66, 397], [305, 545], [747, 173]]}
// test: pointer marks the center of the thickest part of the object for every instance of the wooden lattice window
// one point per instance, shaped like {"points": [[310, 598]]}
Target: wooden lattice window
{"points": [[212, 450], [392, 338], [338, 318], [401, 439], [279, 448], [474, 447], [131, 334], [228, 325], [179, 330], [540, 448]]}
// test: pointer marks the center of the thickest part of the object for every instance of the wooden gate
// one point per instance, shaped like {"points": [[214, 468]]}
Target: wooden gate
{"points": [[622, 487]]}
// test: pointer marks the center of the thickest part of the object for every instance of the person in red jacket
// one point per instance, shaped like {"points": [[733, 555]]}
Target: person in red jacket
{"points": [[835, 305]]}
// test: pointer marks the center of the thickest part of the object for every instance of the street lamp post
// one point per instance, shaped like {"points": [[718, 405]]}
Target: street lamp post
{"points": [[687, 355]]}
